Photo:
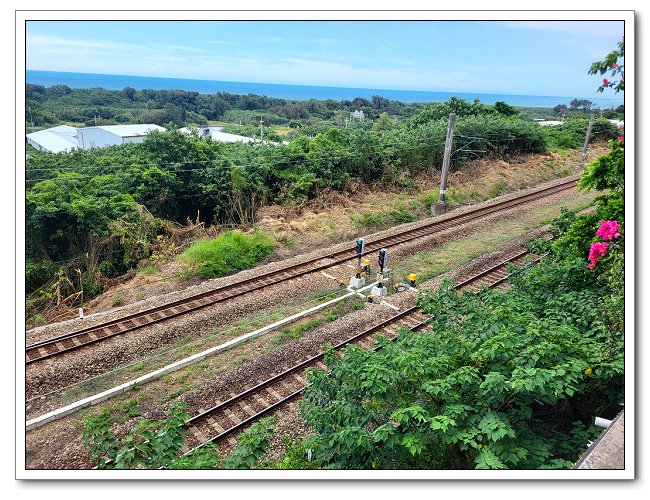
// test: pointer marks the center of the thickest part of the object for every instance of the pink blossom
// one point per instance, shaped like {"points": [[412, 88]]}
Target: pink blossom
{"points": [[605, 81], [614, 66], [598, 249], [621, 138], [608, 229]]}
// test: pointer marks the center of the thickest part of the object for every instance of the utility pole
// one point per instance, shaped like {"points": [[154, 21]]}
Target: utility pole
{"points": [[261, 129], [31, 119], [587, 137], [442, 206]]}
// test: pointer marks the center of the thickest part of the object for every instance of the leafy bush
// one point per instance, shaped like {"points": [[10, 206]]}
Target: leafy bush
{"points": [[231, 251], [155, 445], [501, 380], [148, 444], [571, 135]]}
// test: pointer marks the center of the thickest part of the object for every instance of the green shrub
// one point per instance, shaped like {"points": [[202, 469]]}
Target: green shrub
{"points": [[37, 319], [402, 216], [489, 389], [232, 251], [149, 270], [296, 457], [38, 273], [571, 135], [498, 188]]}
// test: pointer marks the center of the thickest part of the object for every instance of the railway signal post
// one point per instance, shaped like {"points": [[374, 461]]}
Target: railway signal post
{"points": [[380, 290], [358, 280]]}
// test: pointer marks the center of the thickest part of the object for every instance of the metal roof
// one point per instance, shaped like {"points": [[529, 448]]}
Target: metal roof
{"points": [[52, 141], [218, 135], [136, 130]]}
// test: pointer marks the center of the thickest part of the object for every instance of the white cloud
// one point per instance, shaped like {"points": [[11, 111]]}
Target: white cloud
{"points": [[49, 41], [575, 28]]}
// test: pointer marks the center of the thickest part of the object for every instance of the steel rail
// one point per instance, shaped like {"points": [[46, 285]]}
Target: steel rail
{"points": [[238, 426], [173, 309]]}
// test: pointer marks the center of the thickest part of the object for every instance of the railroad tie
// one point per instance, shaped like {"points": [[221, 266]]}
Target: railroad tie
{"points": [[198, 435], [244, 406], [321, 365], [288, 388], [273, 393], [215, 425], [234, 418], [261, 401]]}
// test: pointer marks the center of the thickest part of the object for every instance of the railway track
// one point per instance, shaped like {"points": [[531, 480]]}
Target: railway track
{"points": [[87, 336], [222, 421]]}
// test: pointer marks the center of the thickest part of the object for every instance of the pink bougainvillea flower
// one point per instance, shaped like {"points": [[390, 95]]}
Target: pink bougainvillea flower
{"points": [[621, 138], [605, 81], [608, 230], [598, 249], [614, 66]]}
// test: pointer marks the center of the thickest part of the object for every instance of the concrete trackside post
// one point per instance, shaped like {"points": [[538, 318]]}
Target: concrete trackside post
{"points": [[587, 137], [441, 206]]}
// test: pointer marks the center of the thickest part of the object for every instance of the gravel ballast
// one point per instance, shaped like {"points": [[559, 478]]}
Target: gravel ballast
{"points": [[71, 368], [68, 430]]}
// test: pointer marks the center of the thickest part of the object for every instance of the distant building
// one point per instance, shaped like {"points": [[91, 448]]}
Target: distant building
{"points": [[217, 135], [54, 140], [66, 138], [111, 135], [357, 115]]}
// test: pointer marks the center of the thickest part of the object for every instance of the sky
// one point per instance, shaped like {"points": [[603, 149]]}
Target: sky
{"points": [[505, 57]]}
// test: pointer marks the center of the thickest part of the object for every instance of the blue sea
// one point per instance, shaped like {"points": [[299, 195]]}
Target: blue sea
{"points": [[293, 92]]}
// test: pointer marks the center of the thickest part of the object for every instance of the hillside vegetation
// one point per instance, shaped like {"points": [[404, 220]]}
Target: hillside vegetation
{"points": [[92, 215]]}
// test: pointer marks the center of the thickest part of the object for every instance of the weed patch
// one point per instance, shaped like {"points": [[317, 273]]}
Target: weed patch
{"points": [[230, 252], [149, 270], [118, 300]]}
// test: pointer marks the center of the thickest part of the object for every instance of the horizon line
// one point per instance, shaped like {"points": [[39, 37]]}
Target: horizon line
{"points": [[318, 86]]}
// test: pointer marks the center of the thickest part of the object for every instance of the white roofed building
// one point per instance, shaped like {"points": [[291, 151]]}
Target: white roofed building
{"points": [[217, 135], [54, 140], [110, 135], [65, 138]]}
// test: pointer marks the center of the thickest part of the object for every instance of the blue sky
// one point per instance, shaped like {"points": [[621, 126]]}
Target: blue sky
{"points": [[509, 57]]}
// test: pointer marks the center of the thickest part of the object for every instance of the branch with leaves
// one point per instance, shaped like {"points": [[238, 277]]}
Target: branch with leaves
{"points": [[615, 66]]}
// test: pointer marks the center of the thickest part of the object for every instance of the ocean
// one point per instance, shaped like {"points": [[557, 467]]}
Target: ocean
{"points": [[293, 92]]}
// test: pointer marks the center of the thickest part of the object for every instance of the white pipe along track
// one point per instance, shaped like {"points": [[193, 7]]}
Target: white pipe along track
{"points": [[127, 386]]}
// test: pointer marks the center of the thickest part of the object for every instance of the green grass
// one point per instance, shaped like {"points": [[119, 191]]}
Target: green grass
{"points": [[382, 219], [118, 300], [231, 251], [38, 319], [149, 270], [180, 391], [137, 367], [430, 263], [498, 188]]}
